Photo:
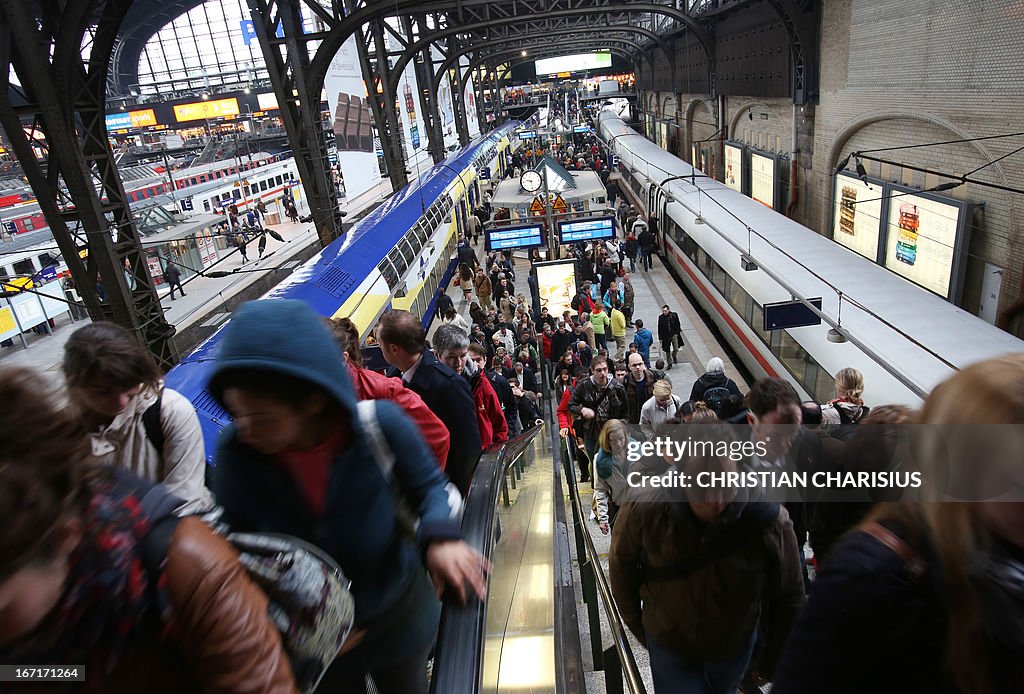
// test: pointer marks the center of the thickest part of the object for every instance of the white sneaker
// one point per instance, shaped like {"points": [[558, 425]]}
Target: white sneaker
{"points": [[593, 516]]}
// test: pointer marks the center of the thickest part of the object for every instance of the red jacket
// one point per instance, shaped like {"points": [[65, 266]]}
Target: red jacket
{"points": [[546, 343], [564, 418], [371, 385], [489, 416]]}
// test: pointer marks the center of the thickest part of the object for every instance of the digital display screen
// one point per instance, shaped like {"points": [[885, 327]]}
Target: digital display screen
{"points": [[857, 215], [267, 101], [515, 237], [921, 240], [762, 179], [206, 109], [131, 119], [556, 284], [573, 63], [592, 229], [734, 167], [581, 129], [527, 134]]}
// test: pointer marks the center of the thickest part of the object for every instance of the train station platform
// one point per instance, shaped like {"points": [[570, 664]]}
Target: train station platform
{"points": [[209, 301]]}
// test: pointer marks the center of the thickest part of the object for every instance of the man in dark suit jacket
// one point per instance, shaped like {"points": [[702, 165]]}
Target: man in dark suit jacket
{"points": [[529, 379], [447, 394]]}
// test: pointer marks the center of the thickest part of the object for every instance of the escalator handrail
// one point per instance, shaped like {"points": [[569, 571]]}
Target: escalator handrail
{"points": [[458, 661], [615, 621]]}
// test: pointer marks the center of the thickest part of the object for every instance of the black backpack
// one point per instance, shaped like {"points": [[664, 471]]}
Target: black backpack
{"points": [[716, 397]]}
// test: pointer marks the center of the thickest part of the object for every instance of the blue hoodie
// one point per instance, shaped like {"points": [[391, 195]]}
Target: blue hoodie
{"points": [[643, 339], [359, 527]]}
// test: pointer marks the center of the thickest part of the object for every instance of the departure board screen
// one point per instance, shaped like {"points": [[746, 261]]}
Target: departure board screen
{"points": [[592, 229], [527, 134], [504, 238]]}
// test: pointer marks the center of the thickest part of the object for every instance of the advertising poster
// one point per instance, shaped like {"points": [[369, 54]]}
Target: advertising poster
{"points": [[734, 167], [557, 285], [469, 98], [857, 216], [921, 240], [352, 121], [762, 179], [413, 130]]}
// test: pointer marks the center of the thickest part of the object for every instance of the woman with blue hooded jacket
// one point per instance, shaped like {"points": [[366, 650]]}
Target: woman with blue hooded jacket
{"points": [[296, 460]]}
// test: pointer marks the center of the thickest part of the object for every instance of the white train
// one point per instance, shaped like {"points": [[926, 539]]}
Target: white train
{"points": [[903, 338]]}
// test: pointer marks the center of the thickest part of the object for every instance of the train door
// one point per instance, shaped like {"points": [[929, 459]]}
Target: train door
{"points": [[460, 217], [656, 209]]}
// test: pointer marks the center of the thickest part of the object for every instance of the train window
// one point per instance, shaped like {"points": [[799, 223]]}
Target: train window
{"points": [[24, 267], [246, 190], [399, 263], [28, 224], [407, 251], [236, 194], [421, 234], [389, 274], [206, 205], [757, 323]]}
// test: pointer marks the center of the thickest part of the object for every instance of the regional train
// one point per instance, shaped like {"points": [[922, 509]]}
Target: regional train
{"points": [[735, 255], [401, 256]]}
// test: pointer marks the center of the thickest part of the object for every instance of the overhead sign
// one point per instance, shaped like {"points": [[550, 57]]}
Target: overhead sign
{"points": [[249, 31], [857, 215], [537, 207], [592, 229], [267, 101], [485, 173], [791, 314], [581, 129], [515, 237], [201, 110], [527, 134], [559, 204], [131, 119]]}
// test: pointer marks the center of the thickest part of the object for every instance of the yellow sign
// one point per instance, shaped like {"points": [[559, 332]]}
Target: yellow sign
{"points": [[559, 204], [6, 320], [142, 118], [206, 109], [537, 207]]}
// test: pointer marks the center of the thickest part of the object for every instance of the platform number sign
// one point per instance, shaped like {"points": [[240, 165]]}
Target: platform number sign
{"points": [[187, 205], [11, 228]]}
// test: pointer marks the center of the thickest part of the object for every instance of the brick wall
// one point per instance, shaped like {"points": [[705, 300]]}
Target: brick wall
{"points": [[896, 74]]}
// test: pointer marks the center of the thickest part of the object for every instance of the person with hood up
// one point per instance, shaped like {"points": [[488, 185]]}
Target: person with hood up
{"points": [[713, 385], [643, 339], [297, 460]]}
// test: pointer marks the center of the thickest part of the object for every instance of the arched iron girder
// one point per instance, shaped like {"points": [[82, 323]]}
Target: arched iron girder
{"points": [[418, 45], [803, 44], [455, 55], [341, 31]]}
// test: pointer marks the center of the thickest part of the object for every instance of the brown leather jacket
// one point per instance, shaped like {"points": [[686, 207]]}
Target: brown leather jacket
{"points": [[709, 611], [224, 641]]}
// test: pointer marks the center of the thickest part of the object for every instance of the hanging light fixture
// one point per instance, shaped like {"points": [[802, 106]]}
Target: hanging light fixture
{"points": [[836, 334]]}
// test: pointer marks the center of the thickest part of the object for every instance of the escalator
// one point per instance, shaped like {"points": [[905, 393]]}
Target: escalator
{"points": [[525, 637]]}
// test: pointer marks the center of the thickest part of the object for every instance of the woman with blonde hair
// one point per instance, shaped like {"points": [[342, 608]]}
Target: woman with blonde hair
{"points": [[841, 414], [610, 468], [928, 596], [466, 282]]}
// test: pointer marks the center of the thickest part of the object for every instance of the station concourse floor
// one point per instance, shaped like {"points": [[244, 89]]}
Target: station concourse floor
{"points": [[652, 290]]}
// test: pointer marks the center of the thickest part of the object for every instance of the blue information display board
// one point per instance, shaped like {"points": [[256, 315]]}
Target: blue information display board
{"points": [[527, 134], [581, 129], [515, 237], [791, 314], [594, 228]]}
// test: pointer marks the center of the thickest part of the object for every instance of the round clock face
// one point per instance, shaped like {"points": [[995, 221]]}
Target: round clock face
{"points": [[531, 181]]}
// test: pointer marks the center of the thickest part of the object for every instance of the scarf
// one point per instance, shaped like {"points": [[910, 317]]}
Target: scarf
{"points": [[110, 604]]}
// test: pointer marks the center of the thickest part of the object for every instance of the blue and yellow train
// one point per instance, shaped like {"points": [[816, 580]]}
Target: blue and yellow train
{"points": [[401, 256]]}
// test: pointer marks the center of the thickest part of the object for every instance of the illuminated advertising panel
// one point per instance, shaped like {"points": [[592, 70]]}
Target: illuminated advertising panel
{"points": [[573, 63], [924, 238], [762, 179], [734, 167], [131, 119], [267, 101], [593, 229], [556, 284], [857, 215], [515, 237], [201, 110]]}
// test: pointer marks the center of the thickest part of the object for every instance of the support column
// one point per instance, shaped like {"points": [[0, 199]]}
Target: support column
{"points": [[459, 104], [299, 104], [428, 97], [382, 103], [69, 103]]}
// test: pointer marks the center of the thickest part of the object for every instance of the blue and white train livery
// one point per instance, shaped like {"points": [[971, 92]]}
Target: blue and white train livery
{"points": [[399, 256]]}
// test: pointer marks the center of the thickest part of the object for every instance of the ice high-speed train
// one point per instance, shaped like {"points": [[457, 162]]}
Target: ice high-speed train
{"points": [[903, 338], [399, 256]]}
